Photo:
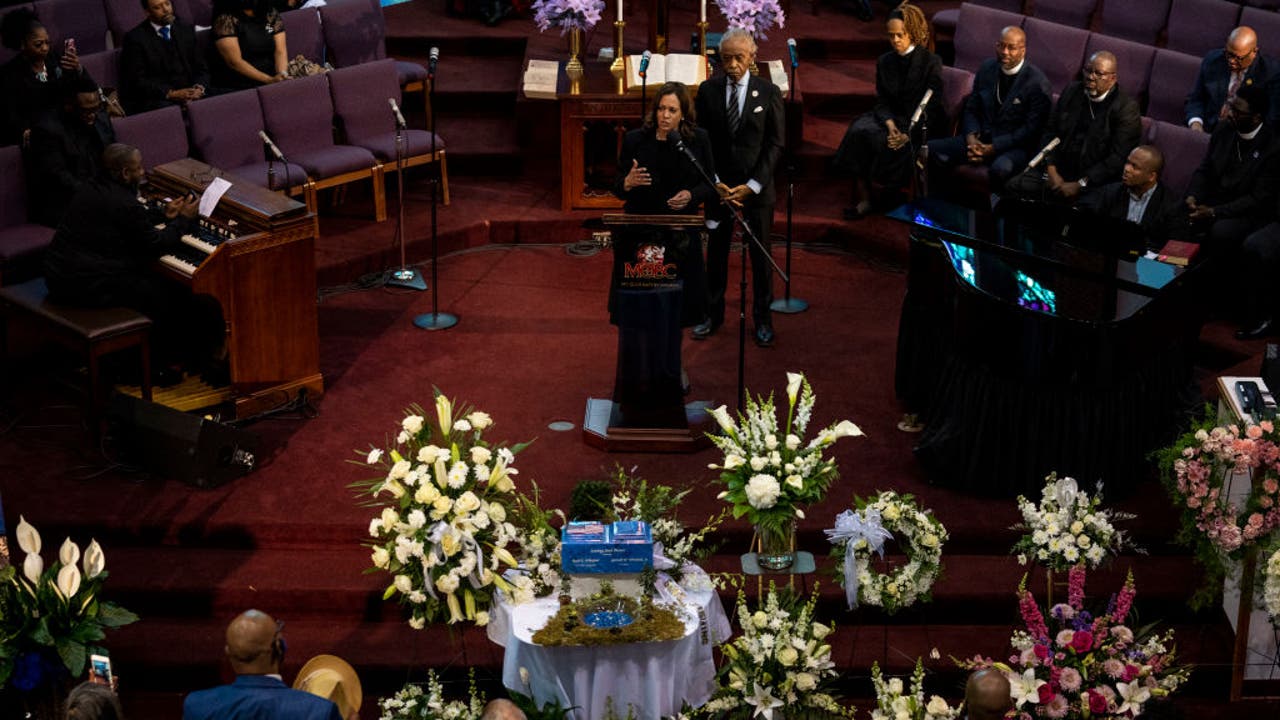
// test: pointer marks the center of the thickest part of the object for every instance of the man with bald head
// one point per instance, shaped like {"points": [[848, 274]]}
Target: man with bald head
{"points": [[255, 650], [1003, 116], [1222, 74], [1096, 124], [986, 695]]}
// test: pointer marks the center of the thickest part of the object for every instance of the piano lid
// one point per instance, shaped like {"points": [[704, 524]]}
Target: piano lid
{"points": [[1054, 261]]}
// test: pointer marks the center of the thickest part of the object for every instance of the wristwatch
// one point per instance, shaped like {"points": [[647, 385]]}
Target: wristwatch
{"points": [[1084, 182]]}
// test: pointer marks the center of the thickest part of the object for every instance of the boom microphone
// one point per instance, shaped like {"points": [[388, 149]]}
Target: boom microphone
{"points": [[1043, 151], [795, 56], [915, 117], [396, 109], [270, 145], [432, 60], [644, 63]]}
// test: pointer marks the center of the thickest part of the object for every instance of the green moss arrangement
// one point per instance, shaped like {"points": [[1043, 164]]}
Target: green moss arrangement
{"points": [[651, 623]]}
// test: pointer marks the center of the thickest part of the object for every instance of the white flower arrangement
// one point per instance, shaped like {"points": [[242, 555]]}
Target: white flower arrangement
{"points": [[1069, 527], [769, 469], [442, 529], [861, 533], [894, 702], [539, 555], [1271, 587], [780, 664], [674, 545], [413, 703]]}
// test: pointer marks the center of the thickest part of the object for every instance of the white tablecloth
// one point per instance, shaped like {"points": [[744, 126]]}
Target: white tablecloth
{"points": [[656, 678]]}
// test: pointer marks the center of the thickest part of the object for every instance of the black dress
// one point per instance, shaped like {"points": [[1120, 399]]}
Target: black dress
{"points": [[901, 82], [670, 171], [257, 38], [28, 97]]}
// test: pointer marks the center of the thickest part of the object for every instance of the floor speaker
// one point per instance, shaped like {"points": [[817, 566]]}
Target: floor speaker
{"points": [[179, 446]]}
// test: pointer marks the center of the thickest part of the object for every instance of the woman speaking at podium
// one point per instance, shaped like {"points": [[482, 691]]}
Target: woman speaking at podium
{"points": [[659, 283]]}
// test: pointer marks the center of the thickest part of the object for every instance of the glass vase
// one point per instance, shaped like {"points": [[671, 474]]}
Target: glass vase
{"points": [[776, 545]]}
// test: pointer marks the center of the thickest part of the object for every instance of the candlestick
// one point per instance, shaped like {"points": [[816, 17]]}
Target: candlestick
{"points": [[702, 32], [617, 67], [619, 10], [702, 17]]}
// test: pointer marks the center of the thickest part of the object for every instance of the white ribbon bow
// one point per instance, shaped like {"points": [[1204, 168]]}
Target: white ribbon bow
{"points": [[850, 528]]}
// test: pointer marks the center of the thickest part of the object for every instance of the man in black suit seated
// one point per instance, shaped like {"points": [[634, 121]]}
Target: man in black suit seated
{"points": [[1141, 198], [103, 256], [159, 62], [1233, 191], [1003, 116], [1223, 72], [1097, 125], [66, 150], [744, 119]]}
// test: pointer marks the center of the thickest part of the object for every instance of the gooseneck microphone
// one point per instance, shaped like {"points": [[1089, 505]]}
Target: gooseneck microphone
{"points": [[432, 60], [266, 139], [924, 101], [396, 109], [1048, 148]]}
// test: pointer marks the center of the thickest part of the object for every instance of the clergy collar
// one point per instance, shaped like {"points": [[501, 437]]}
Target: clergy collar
{"points": [[1016, 68], [1252, 134], [910, 48], [1101, 97]]}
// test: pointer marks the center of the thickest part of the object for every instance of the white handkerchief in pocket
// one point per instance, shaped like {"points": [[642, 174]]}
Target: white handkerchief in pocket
{"points": [[759, 108]]}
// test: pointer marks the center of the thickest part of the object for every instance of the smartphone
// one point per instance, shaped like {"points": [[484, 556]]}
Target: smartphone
{"points": [[100, 670], [69, 46]]}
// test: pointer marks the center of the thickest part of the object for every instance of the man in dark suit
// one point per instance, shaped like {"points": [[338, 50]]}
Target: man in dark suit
{"points": [[1233, 191], [255, 649], [159, 62], [1223, 72], [1096, 124], [65, 150], [1003, 116], [1140, 198], [743, 116]]}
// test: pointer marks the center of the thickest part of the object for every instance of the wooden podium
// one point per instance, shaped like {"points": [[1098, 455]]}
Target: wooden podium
{"points": [[647, 412]]}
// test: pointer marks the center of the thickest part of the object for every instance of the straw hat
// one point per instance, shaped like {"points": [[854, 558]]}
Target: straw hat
{"points": [[332, 678]]}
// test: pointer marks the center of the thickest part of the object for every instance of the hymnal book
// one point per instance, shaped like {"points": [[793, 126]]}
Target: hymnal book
{"points": [[686, 68], [540, 79], [778, 76], [1178, 252]]}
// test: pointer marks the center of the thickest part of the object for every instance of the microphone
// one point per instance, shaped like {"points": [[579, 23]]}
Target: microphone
{"points": [[396, 109], [795, 56], [271, 146], [432, 60], [644, 63], [915, 117], [1043, 151]]}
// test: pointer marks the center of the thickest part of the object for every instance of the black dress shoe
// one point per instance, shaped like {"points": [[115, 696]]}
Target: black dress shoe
{"points": [[1260, 330], [704, 330], [764, 336]]}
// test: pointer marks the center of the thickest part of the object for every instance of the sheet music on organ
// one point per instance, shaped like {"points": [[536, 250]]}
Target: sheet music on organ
{"points": [[687, 68], [212, 194]]}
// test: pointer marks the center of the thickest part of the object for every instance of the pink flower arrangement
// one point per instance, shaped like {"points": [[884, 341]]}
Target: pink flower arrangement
{"points": [[1203, 466]]}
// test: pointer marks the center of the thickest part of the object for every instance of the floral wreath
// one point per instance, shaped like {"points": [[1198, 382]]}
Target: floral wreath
{"points": [[1068, 527], [1271, 588], [1197, 470], [860, 533]]}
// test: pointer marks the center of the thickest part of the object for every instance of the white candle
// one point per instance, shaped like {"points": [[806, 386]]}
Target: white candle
{"points": [[703, 16], [619, 9]]}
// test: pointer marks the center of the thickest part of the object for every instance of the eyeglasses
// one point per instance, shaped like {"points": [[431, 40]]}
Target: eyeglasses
{"points": [[1090, 72], [1232, 57]]}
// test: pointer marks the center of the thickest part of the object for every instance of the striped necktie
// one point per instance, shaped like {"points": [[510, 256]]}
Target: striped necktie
{"points": [[732, 111]]}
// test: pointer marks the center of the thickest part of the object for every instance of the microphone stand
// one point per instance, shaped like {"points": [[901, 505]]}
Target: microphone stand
{"points": [[434, 320], [787, 304], [644, 94], [405, 277], [742, 291]]}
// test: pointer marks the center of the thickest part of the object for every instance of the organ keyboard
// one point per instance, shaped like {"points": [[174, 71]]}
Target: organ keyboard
{"points": [[256, 256]]}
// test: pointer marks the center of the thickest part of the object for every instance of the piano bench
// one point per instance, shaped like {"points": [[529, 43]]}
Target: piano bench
{"points": [[93, 332]]}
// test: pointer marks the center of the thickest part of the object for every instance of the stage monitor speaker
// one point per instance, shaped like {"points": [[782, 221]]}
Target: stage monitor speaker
{"points": [[180, 446]]}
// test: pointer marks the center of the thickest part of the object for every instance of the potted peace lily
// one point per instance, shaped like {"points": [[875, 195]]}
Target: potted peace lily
{"points": [[770, 471], [51, 618]]}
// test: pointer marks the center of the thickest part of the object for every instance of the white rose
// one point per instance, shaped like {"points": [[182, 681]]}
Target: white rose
{"points": [[412, 424], [1084, 541], [467, 502], [389, 518], [497, 512], [381, 558], [428, 454], [758, 463], [793, 442], [771, 441], [891, 512], [399, 470], [441, 506], [806, 681], [426, 494], [479, 420], [447, 584], [1077, 527], [937, 706], [759, 619], [788, 656], [404, 584], [480, 455], [895, 686]]}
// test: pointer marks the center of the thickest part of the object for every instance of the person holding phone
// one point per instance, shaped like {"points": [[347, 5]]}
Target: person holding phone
{"points": [[33, 82]]}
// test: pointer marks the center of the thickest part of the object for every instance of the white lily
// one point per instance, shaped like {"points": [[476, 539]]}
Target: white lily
{"points": [[721, 414], [28, 537], [764, 701], [1133, 694], [32, 567], [444, 413], [68, 581], [94, 560], [69, 553], [1025, 688], [847, 429], [793, 386]]}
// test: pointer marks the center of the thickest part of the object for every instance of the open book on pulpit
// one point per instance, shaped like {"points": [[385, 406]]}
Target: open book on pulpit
{"points": [[686, 68]]}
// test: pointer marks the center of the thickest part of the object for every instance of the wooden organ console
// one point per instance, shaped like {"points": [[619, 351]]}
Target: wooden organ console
{"points": [[256, 256]]}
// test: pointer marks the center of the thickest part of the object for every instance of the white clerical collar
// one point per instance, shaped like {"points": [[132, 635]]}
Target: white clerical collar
{"points": [[908, 51], [1101, 97], [1252, 134], [1016, 68]]}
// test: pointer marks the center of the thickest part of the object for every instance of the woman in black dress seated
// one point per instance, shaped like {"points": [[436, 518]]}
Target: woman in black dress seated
{"points": [[878, 147], [655, 177], [31, 82], [249, 38]]}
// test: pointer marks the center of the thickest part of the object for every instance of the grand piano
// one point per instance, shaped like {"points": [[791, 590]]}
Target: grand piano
{"points": [[256, 256], [1035, 340]]}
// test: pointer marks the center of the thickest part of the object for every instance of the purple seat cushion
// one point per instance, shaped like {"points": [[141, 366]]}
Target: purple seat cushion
{"points": [[1198, 26], [302, 30], [977, 32], [1265, 22], [103, 67], [1172, 76], [1056, 49], [945, 21], [1075, 13], [298, 114], [1183, 149], [354, 31], [84, 21], [360, 95], [417, 142], [258, 174], [1136, 21], [224, 129], [336, 160], [409, 72], [956, 84], [22, 240], [161, 135], [1133, 62]]}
